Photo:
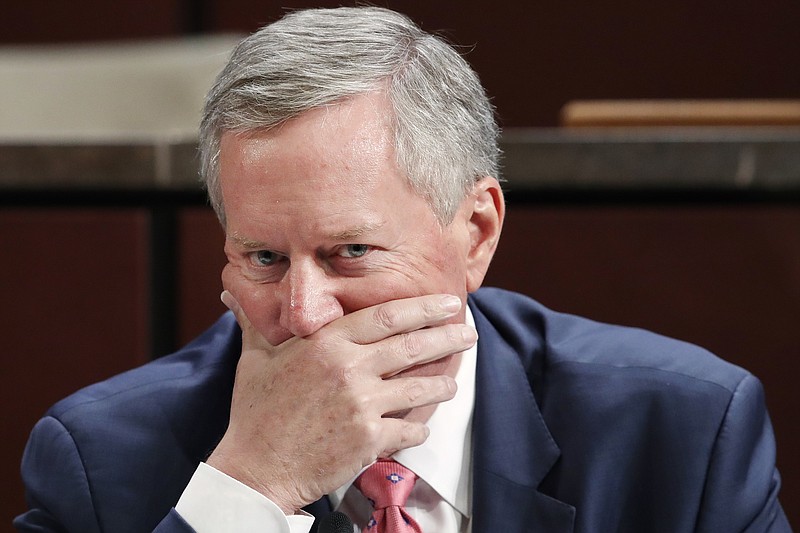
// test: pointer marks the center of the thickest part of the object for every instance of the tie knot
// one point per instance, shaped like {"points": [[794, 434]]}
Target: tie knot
{"points": [[386, 483]]}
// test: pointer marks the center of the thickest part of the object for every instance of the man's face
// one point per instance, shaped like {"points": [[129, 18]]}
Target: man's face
{"points": [[321, 222]]}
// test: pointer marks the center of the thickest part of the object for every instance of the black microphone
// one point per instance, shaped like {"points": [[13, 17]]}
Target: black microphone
{"points": [[336, 522]]}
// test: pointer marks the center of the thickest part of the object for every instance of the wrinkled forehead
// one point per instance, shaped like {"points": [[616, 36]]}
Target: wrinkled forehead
{"points": [[353, 136], [342, 154]]}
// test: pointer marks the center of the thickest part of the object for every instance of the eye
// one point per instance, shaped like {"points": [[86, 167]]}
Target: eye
{"points": [[265, 257], [354, 250]]}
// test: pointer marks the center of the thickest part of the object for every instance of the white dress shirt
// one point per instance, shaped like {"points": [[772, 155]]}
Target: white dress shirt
{"points": [[214, 502]]}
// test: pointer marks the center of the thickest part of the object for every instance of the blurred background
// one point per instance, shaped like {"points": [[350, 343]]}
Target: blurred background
{"points": [[652, 152]]}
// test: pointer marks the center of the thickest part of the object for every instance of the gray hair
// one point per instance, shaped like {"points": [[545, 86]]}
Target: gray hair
{"points": [[444, 127]]}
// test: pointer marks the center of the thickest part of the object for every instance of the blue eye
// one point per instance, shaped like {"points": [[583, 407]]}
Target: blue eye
{"points": [[266, 258], [354, 250]]}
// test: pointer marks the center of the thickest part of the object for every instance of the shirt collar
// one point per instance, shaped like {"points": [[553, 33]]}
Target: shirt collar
{"points": [[444, 460]]}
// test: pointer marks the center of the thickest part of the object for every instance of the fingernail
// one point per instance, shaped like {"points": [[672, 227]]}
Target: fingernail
{"points": [[469, 334], [452, 386], [229, 301], [450, 303]]}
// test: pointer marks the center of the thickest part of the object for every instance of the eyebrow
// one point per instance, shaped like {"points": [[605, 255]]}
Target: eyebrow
{"points": [[246, 243], [354, 233], [341, 236]]}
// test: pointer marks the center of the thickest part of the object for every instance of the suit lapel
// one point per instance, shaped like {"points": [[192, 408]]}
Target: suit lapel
{"points": [[512, 447]]}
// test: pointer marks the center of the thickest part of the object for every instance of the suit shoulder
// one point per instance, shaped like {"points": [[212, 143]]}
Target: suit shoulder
{"points": [[207, 357], [565, 341], [140, 433]]}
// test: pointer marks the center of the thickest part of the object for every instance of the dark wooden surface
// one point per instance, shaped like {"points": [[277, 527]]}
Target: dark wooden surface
{"points": [[75, 306]]}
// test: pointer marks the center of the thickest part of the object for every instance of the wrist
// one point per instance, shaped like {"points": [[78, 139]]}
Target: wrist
{"points": [[236, 467]]}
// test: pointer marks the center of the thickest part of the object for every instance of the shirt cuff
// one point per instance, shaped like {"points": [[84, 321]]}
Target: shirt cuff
{"points": [[214, 502]]}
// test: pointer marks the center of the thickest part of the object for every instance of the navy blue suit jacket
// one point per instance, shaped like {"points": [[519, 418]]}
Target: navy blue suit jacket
{"points": [[578, 426]]}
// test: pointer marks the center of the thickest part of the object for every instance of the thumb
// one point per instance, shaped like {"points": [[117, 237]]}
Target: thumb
{"points": [[249, 335]]}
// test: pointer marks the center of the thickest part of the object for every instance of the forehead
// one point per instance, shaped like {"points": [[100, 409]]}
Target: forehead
{"points": [[328, 163], [355, 134]]}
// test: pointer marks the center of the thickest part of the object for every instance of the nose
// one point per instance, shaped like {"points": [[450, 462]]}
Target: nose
{"points": [[308, 300]]}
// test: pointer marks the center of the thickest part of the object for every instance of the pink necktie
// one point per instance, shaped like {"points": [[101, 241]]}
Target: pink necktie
{"points": [[387, 485]]}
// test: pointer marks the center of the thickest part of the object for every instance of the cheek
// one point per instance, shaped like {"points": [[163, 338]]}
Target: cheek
{"points": [[359, 293], [409, 281], [442, 270]]}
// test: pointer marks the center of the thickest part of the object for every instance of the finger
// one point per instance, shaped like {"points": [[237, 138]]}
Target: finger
{"points": [[398, 434], [403, 351], [398, 316], [405, 393]]}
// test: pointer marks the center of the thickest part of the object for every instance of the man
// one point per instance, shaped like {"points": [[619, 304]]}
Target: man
{"points": [[352, 160]]}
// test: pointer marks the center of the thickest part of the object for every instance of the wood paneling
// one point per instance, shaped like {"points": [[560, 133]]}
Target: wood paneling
{"points": [[75, 290], [200, 262]]}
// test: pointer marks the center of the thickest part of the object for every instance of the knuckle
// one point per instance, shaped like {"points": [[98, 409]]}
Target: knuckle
{"points": [[342, 376], [414, 391], [411, 345], [362, 405], [431, 309], [372, 433], [385, 317], [412, 435], [453, 335]]}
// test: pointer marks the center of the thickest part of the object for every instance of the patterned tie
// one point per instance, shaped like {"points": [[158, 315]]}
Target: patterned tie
{"points": [[387, 485]]}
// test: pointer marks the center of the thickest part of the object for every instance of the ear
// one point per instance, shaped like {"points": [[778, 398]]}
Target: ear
{"points": [[485, 223]]}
